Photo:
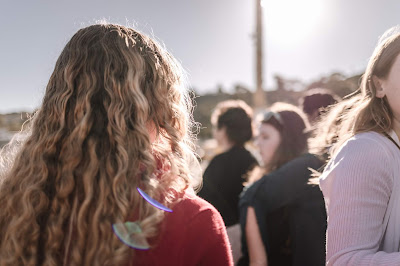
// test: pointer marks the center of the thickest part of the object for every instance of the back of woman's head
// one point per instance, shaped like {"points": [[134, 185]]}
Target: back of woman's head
{"points": [[236, 117], [316, 100], [293, 127], [372, 113], [89, 149]]}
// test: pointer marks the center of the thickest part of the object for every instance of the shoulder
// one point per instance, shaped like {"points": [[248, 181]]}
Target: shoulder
{"points": [[235, 151], [219, 158], [363, 151], [188, 232], [203, 232], [215, 167], [370, 135], [294, 174], [194, 216], [192, 207], [363, 161], [192, 203], [372, 139], [235, 157], [365, 146], [307, 160], [243, 151]]}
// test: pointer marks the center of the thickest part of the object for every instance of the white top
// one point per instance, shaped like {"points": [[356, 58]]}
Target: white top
{"points": [[361, 187]]}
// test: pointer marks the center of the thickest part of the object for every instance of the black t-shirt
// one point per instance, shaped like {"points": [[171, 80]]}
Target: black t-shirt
{"points": [[223, 181], [284, 201]]}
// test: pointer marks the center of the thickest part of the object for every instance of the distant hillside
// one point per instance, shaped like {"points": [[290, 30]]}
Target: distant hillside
{"points": [[205, 105], [286, 90], [13, 121]]}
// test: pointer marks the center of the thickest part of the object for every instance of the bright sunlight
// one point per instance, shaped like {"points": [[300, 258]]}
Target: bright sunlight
{"points": [[291, 21]]}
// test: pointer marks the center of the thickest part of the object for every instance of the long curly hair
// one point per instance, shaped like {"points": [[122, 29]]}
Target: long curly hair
{"points": [[88, 148]]}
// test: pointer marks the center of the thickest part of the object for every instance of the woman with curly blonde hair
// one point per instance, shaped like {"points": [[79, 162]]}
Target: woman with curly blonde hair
{"points": [[104, 158]]}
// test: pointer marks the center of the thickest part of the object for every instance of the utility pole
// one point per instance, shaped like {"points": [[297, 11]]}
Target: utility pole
{"points": [[259, 97]]}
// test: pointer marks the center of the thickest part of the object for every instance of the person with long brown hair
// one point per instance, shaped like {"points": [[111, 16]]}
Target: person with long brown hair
{"points": [[282, 217], [361, 183], [104, 173]]}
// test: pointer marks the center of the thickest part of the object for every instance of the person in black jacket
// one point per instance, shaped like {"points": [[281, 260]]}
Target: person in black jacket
{"points": [[223, 178], [282, 216]]}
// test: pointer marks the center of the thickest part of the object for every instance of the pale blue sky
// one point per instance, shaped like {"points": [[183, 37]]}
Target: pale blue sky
{"points": [[211, 38]]}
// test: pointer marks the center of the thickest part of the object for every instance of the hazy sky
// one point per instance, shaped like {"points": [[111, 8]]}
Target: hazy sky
{"points": [[211, 38]]}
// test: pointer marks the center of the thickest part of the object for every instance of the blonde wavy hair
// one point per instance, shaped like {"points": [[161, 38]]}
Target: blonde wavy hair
{"points": [[87, 149], [372, 113], [326, 130]]}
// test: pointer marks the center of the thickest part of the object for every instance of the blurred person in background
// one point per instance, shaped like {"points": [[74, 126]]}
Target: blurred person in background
{"points": [[315, 101], [224, 176], [282, 217]]}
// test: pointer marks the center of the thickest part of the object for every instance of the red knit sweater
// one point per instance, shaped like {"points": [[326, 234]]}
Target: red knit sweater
{"points": [[193, 234]]}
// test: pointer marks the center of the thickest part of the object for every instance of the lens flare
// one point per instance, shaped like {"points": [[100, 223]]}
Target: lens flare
{"points": [[131, 235], [153, 201]]}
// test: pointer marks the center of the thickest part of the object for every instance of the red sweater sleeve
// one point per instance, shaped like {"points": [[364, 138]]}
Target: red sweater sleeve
{"points": [[193, 234], [206, 240]]}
